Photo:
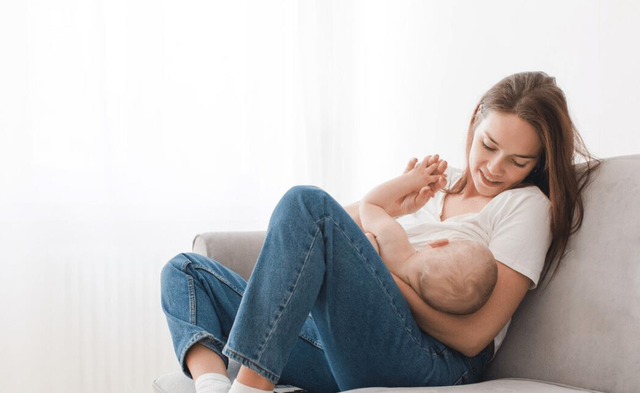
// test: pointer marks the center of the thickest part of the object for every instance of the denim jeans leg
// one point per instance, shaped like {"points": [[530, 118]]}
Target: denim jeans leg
{"points": [[200, 299], [316, 259]]}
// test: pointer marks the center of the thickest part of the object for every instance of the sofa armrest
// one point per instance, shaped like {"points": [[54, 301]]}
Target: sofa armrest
{"points": [[236, 250]]}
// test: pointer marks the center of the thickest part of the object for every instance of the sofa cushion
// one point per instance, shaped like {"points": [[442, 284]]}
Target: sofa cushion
{"points": [[177, 382], [507, 385]]}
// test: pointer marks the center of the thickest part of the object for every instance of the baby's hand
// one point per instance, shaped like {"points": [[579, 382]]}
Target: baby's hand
{"points": [[440, 170], [415, 200], [428, 174], [442, 167]]}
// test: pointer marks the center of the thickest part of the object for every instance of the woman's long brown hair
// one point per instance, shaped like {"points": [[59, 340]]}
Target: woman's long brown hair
{"points": [[536, 99]]}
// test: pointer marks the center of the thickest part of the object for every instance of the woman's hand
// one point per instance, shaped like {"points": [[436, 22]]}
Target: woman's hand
{"points": [[414, 201]]}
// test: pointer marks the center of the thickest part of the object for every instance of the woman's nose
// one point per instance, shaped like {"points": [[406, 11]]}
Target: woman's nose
{"points": [[495, 166]]}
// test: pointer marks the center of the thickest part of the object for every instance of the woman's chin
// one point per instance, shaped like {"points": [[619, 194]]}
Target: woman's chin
{"points": [[485, 188]]}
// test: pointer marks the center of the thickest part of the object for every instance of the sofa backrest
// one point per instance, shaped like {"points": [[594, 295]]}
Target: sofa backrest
{"points": [[583, 329], [236, 250]]}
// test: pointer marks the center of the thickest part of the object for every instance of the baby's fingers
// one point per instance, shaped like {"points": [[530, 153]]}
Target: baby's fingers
{"points": [[429, 169], [442, 167], [428, 160], [425, 162], [410, 165]]}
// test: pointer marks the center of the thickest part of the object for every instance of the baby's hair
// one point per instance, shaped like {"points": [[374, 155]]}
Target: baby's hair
{"points": [[466, 283]]}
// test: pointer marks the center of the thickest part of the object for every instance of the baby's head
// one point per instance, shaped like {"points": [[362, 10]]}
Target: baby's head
{"points": [[456, 278]]}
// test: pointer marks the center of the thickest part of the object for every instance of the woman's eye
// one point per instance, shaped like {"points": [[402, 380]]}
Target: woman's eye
{"points": [[514, 162], [487, 147]]}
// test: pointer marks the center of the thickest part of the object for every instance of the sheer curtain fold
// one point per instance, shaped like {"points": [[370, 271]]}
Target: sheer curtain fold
{"points": [[112, 109], [149, 110]]}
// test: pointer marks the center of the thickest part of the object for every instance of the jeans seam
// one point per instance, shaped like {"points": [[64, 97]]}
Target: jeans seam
{"points": [[460, 380], [311, 340], [393, 305], [204, 334], [243, 359], [275, 324], [196, 338], [219, 277], [192, 300]]}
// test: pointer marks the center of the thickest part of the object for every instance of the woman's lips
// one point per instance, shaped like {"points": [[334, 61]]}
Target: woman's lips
{"points": [[486, 181]]}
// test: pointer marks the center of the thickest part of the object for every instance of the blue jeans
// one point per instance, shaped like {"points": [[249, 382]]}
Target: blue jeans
{"points": [[321, 310]]}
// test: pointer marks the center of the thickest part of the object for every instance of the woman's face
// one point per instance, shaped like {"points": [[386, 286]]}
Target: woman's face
{"points": [[504, 150]]}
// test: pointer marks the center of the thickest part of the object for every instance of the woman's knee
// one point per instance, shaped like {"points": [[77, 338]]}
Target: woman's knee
{"points": [[300, 203], [199, 267], [306, 198], [174, 267], [304, 192], [182, 261], [179, 264]]}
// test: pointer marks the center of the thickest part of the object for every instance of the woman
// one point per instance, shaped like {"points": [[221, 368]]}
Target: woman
{"points": [[322, 312]]}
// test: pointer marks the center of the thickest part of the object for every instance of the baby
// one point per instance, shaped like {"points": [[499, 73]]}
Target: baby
{"points": [[452, 276]]}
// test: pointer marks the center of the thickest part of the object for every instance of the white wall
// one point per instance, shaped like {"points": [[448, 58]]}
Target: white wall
{"points": [[126, 127]]}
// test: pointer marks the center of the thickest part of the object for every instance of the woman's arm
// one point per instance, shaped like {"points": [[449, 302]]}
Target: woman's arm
{"points": [[470, 334]]}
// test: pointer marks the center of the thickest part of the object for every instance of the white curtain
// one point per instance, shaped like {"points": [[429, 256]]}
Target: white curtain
{"points": [[210, 110], [127, 127], [155, 110]]}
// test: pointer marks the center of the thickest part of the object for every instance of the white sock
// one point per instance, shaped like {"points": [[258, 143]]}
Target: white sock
{"points": [[212, 383], [239, 387]]}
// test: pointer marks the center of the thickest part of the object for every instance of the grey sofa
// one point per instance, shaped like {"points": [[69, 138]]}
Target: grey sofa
{"points": [[580, 333]]}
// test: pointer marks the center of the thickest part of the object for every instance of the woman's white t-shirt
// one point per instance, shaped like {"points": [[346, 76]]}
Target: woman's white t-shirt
{"points": [[514, 225]]}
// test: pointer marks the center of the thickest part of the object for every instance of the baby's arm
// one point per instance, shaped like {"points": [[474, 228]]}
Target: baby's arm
{"points": [[393, 245], [373, 241], [391, 238]]}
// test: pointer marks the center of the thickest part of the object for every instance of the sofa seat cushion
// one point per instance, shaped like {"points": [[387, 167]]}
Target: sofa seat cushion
{"points": [[177, 382], [506, 385]]}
